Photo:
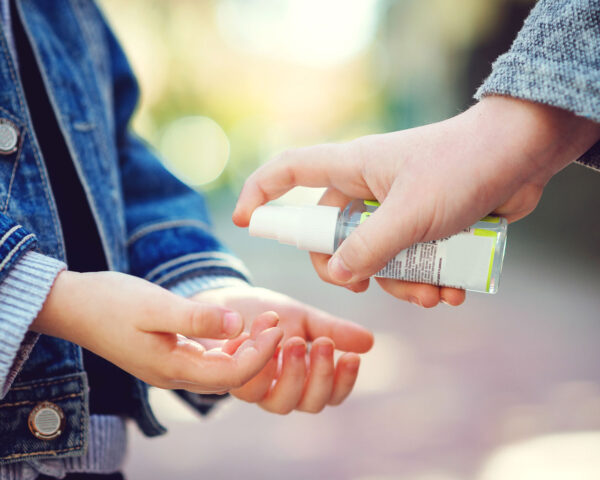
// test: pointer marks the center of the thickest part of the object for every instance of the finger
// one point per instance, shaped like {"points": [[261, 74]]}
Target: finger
{"points": [[258, 387], [346, 335], [374, 242], [231, 346], [319, 385], [420, 294], [262, 322], [221, 371], [328, 165], [320, 260], [287, 392], [521, 203], [453, 296], [345, 377], [173, 314], [333, 198]]}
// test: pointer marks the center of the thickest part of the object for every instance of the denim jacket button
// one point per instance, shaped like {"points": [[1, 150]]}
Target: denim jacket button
{"points": [[9, 137], [46, 421]]}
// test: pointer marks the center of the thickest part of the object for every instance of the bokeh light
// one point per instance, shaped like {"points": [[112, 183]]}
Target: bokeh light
{"points": [[309, 32], [195, 149]]}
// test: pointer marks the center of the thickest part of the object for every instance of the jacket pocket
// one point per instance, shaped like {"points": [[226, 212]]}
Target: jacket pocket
{"points": [[45, 418]]}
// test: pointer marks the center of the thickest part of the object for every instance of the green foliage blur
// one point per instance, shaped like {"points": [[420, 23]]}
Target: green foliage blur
{"points": [[273, 74]]}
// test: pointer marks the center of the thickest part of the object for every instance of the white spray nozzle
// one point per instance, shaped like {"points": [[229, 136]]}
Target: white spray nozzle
{"points": [[308, 227]]}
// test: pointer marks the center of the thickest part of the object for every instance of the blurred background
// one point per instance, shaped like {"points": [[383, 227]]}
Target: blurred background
{"points": [[506, 386]]}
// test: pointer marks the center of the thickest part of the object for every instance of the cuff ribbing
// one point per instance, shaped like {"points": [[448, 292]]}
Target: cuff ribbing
{"points": [[189, 287], [22, 295]]}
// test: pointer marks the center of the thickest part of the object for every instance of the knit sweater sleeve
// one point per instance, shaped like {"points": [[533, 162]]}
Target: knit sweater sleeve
{"points": [[555, 60]]}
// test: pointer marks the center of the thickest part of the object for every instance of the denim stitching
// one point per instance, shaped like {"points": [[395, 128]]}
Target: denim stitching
{"points": [[30, 402], [99, 134], [41, 170], [15, 250], [212, 255], [154, 227], [191, 266], [21, 127], [46, 452], [13, 174], [8, 234], [46, 384]]}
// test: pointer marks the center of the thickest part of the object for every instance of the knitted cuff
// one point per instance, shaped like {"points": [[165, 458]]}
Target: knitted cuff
{"points": [[22, 295], [189, 287]]}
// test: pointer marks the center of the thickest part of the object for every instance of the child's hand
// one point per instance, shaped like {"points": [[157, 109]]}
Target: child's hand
{"points": [[432, 182], [142, 328], [294, 380]]}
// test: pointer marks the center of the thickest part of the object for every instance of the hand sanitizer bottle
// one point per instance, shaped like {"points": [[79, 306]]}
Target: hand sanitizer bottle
{"points": [[471, 259]]}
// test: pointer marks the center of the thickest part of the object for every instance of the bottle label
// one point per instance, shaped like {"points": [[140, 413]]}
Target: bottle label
{"points": [[464, 260]]}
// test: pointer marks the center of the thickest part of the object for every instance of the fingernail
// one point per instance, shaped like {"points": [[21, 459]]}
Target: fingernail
{"points": [[353, 364], [444, 301], [415, 301], [326, 350], [232, 323], [299, 350], [338, 269]]}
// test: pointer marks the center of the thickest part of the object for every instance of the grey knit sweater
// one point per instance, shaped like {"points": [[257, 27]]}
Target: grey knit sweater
{"points": [[555, 60]]}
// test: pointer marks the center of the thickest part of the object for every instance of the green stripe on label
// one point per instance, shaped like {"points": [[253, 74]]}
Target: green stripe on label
{"points": [[489, 278], [364, 216], [491, 219], [482, 232], [371, 203]]}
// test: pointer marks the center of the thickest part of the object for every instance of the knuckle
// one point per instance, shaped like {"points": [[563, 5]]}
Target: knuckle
{"points": [[200, 320]]}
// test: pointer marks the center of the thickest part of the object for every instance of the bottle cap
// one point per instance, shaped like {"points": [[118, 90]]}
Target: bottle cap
{"points": [[307, 227]]}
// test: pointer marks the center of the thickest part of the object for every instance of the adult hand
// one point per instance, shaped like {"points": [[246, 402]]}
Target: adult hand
{"points": [[431, 181]]}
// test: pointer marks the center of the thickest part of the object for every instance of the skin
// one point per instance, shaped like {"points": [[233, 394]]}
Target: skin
{"points": [[295, 379], [199, 345], [432, 181]]}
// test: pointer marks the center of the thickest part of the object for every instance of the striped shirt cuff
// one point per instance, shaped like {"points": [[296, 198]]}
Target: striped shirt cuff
{"points": [[188, 287], [22, 295]]}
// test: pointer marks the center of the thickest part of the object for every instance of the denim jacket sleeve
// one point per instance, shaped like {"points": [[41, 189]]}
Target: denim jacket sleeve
{"points": [[554, 60], [170, 237], [25, 281]]}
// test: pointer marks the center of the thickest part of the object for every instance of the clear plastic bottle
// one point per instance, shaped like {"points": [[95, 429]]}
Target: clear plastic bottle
{"points": [[471, 259]]}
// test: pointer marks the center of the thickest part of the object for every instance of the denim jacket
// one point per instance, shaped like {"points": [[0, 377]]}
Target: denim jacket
{"points": [[150, 224]]}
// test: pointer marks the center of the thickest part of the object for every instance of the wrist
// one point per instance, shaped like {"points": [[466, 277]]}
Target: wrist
{"points": [[54, 317], [533, 140]]}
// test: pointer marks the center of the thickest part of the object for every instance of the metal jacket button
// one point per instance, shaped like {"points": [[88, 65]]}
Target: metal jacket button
{"points": [[9, 137], [46, 421]]}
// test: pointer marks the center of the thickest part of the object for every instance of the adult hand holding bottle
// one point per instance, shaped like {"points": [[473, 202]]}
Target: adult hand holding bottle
{"points": [[432, 182]]}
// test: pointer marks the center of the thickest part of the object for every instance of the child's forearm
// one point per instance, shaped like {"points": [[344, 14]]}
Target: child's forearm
{"points": [[143, 329]]}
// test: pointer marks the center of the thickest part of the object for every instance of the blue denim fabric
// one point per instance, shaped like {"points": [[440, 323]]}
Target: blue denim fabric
{"points": [[150, 224]]}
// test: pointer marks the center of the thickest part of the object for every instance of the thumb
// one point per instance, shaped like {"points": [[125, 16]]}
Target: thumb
{"points": [[376, 241], [193, 319]]}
